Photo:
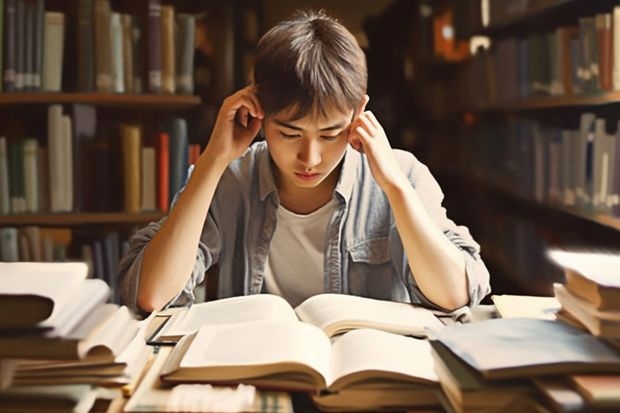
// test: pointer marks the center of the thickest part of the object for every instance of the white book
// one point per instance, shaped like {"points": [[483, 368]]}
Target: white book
{"points": [[5, 193], [9, 250], [116, 42], [31, 174], [53, 48]]}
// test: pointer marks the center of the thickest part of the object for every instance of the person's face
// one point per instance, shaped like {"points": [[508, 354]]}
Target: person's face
{"points": [[306, 151]]}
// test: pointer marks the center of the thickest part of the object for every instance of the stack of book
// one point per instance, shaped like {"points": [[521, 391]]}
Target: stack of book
{"points": [[62, 345], [590, 295], [525, 364]]}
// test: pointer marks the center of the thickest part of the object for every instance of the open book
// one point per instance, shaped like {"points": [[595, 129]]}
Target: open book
{"points": [[297, 356], [333, 313], [35, 293]]}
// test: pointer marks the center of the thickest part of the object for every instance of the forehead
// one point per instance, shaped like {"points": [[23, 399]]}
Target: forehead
{"points": [[314, 117]]}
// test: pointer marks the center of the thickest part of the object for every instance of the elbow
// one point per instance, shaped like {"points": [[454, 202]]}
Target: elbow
{"points": [[148, 301]]}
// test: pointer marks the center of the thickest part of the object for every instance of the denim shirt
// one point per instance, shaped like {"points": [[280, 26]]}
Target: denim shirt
{"points": [[363, 252]]}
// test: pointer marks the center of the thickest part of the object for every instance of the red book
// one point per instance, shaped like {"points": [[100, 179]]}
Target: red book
{"points": [[162, 153]]}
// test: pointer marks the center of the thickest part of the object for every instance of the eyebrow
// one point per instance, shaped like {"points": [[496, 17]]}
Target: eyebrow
{"points": [[291, 126]]}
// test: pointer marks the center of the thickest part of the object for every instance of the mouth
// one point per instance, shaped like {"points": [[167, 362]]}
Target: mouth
{"points": [[307, 176]]}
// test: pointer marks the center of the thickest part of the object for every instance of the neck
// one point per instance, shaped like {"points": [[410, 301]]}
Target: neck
{"points": [[307, 200]]}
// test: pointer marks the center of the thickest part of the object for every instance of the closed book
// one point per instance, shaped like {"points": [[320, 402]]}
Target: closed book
{"points": [[591, 275], [154, 46], [84, 128], [39, 27], [103, 46], [149, 184], [616, 46], [168, 52], [28, 44], [16, 174], [128, 52], [2, 38], [599, 323], [179, 142], [9, 250], [85, 46], [8, 70], [131, 141], [20, 43], [162, 152], [185, 48], [53, 49], [116, 47], [5, 191], [31, 174], [56, 161], [604, 38]]}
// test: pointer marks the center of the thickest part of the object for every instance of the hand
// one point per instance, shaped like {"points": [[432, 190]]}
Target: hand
{"points": [[238, 121], [368, 137]]}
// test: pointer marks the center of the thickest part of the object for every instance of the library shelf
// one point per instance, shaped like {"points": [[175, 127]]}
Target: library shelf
{"points": [[158, 101], [75, 219]]}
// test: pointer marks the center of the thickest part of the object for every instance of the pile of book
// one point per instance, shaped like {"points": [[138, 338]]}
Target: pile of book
{"points": [[63, 346], [533, 359], [590, 295]]}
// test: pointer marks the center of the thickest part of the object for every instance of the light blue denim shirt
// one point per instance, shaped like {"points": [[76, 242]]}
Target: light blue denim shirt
{"points": [[363, 252]]}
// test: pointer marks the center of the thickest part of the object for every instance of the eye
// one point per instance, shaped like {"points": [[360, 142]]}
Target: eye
{"points": [[331, 137], [290, 135]]}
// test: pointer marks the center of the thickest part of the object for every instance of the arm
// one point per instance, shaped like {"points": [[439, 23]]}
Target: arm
{"points": [[437, 263], [169, 257]]}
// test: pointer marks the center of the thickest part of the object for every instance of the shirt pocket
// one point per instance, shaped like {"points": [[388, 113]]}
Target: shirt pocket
{"points": [[371, 272]]}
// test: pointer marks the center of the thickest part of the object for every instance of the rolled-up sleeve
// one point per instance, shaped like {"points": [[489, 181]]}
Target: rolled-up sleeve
{"points": [[478, 279]]}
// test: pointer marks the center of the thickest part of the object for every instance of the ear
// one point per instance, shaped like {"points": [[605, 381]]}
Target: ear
{"points": [[362, 106]]}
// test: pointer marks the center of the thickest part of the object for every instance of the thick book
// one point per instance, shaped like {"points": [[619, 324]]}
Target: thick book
{"points": [[591, 275], [334, 314], [53, 48], [512, 348], [105, 330], [599, 323], [297, 356], [31, 292]]}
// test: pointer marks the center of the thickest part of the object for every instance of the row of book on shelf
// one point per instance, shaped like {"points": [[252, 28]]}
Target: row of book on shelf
{"points": [[116, 52], [579, 59], [345, 352], [81, 170], [577, 167], [100, 250]]}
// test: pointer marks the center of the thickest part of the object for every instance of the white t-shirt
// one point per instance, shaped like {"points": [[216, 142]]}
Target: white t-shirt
{"points": [[294, 268]]}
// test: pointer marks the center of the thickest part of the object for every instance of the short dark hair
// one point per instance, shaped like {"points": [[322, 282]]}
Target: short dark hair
{"points": [[311, 62]]}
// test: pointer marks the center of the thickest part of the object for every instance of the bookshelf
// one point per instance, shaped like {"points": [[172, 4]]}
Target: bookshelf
{"points": [[110, 187], [525, 172]]}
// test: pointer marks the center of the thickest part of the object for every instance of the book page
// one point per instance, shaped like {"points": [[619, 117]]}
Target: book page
{"points": [[602, 268], [369, 355], [508, 305], [228, 310], [258, 348], [338, 313], [54, 281]]}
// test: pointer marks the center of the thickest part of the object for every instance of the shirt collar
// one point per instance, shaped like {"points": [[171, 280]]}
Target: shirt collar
{"points": [[344, 187]]}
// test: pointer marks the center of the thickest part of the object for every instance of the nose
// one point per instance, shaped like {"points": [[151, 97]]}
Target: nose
{"points": [[309, 154]]}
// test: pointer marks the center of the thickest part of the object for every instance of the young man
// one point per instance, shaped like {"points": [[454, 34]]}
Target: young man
{"points": [[324, 204]]}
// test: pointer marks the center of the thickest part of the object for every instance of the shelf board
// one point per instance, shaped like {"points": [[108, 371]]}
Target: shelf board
{"points": [[171, 101], [75, 219], [551, 102]]}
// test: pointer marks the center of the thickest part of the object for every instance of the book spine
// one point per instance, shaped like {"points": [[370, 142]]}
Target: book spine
{"points": [[31, 164], [128, 52], [178, 155], [85, 46], [9, 249], [131, 151], [53, 46], [9, 49], [185, 53], [103, 75], [162, 147], [168, 70], [20, 31], [154, 46], [116, 33], [5, 191], [37, 65]]}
